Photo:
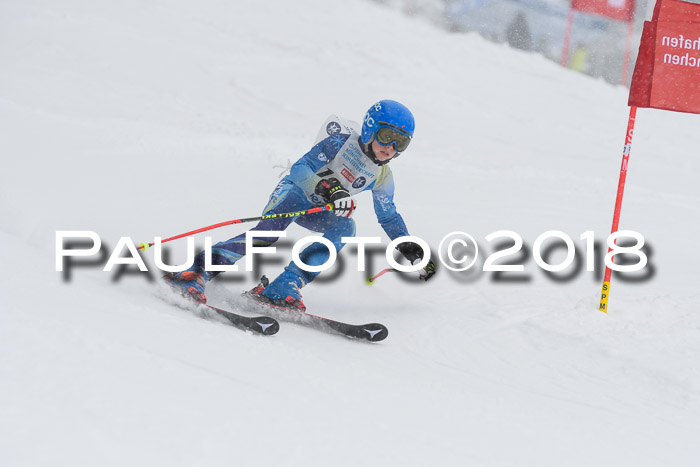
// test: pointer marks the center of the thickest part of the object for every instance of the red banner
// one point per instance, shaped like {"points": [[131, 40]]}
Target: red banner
{"points": [[676, 10], [621, 10], [667, 73]]}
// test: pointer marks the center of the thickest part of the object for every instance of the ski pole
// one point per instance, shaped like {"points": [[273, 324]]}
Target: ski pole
{"points": [[370, 280], [327, 207]]}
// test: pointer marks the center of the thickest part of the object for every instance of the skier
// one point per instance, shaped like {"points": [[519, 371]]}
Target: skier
{"points": [[333, 171]]}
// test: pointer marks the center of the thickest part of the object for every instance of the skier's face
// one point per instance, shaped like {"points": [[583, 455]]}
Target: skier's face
{"points": [[383, 153]]}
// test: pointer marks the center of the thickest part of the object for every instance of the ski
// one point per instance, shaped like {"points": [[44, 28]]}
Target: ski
{"points": [[372, 332], [264, 325]]}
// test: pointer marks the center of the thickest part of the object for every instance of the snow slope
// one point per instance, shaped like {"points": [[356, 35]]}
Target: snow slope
{"points": [[143, 119]]}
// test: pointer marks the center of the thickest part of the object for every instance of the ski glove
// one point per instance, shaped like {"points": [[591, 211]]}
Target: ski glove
{"points": [[333, 192], [428, 271], [413, 252]]}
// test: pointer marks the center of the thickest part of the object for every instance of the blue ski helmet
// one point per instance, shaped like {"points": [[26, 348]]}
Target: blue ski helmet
{"points": [[388, 114]]}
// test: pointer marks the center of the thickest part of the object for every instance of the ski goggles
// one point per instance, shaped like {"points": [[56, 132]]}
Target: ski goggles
{"points": [[388, 134]]}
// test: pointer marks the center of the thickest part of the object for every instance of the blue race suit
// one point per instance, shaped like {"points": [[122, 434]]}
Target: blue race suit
{"points": [[339, 156]]}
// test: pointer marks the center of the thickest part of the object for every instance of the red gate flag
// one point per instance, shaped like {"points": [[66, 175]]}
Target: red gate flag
{"points": [[666, 76], [621, 10], [667, 73], [676, 10]]}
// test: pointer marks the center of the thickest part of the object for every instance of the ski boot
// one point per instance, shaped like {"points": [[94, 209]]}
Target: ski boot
{"points": [[283, 292], [189, 283]]}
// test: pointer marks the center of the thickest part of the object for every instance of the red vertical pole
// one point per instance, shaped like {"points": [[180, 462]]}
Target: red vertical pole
{"points": [[626, 65], [618, 204], [567, 38]]}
